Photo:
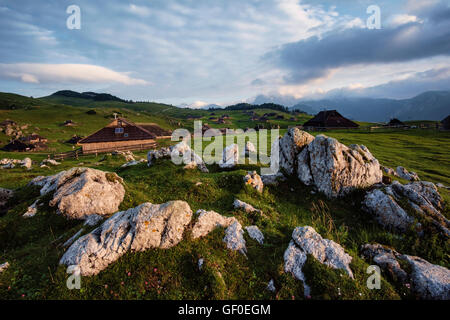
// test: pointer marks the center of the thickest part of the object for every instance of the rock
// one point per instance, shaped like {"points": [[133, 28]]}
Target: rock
{"points": [[389, 171], [180, 150], [49, 161], [137, 229], [249, 148], [26, 163], [209, 220], [5, 195], [4, 266], [234, 238], [386, 210], [255, 234], [238, 204], [80, 192], [305, 240], [190, 166], [200, 264], [440, 185], [253, 179], [290, 145], [92, 220], [335, 169], [405, 174], [131, 163], [428, 281], [230, 157], [422, 196], [272, 179], [157, 154], [128, 155], [271, 286], [32, 210]]}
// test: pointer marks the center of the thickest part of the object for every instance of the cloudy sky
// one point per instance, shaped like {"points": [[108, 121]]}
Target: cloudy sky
{"points": [[224, 51]]}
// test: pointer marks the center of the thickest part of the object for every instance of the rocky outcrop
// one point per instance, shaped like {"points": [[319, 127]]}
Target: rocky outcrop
{"points": [[428, 281], [255, 234], [405, 174], [253, 179], [209, 220], [335, 169], [230, 157], [305, 240], [422, 197], [290, 145], [238, 204], [180, 150], [80, 192], [137, 229], [12, 163], [127, 155]]}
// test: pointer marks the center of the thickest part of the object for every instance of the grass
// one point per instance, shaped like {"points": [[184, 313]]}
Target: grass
{"points": [[33, 246]]}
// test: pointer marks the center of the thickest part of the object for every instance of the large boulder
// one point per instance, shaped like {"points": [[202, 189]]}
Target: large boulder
{"points": [[336, 169], [137, 229], [423, 197], [407, 175], [230, 156], [290, 145], [80, 192], [428, 281], [306, 241]]}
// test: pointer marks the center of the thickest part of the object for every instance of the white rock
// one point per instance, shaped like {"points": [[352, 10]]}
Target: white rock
{"points": [[137, 229], [49, 161], [80, 192], [26, 163], [253, 179], [271, 286], [200, 263], [230, 156], [92, 220], [291, 144], [335, 169], [238, 204], [130, 164], [249, 148], [209, 220], [234, 238], [32, 210], [305, 240], [4, 266], [405, 174], [255, 234]]}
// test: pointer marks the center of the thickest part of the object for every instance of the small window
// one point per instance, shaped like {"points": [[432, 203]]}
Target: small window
{"points": [[125, 135], [118, 130]]}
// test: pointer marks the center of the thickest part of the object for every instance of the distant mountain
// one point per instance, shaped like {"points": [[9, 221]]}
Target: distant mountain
{"points": [[87, 95], [431, 105]]}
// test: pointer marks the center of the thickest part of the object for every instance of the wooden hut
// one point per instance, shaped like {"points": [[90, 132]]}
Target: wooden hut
{"points": [[330, 119], [119, 135]]}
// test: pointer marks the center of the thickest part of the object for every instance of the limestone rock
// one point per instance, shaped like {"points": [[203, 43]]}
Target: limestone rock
{"points": [[272, 179], [234, 238], [179, 150], [80, 192], [405, 174], [271, 286], [336, 169], [127, 155], [137, 229], [32, 210], [26, 163], [209, 220], [305, 240], [238, 204], [253, 179], [249, 148], [92, 220], [428, 281], [290, 145], [49, 161], [153, 155], [230, 156], [255, 234]]}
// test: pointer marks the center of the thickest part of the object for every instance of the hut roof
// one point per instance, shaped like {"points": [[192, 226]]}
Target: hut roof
{"points": [[17, 145], [446, 122], [395, 122], [330, 119], [155, 129], [119, 130]]}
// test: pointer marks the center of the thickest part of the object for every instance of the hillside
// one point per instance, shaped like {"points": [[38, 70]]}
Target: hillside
{"points": [[432, 105]]}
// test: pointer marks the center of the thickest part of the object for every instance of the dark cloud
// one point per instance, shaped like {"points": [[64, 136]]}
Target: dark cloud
{"points": [[314, 57]]}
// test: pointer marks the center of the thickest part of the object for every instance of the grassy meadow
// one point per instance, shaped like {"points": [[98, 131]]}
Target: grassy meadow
{"points": [[33, 246]]}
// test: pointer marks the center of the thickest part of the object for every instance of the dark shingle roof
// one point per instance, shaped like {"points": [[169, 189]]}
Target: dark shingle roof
{"points": [[131, 131]]}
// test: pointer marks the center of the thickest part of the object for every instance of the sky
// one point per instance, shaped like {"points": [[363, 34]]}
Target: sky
{"points": [[200, 52]]}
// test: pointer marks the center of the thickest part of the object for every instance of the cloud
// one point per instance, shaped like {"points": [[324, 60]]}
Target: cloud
{"points": [[65, 73], [315, 57]]}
